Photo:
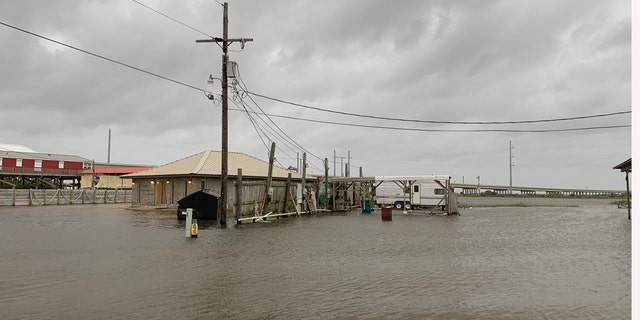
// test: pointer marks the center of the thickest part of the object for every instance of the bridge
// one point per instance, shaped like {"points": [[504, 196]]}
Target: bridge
{"points": [[468, 188]]}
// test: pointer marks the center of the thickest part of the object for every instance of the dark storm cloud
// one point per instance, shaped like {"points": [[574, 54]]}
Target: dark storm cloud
{"points": [[437, 60]]}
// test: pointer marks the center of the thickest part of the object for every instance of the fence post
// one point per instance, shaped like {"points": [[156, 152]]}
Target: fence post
{"points": [[30, 203], [58, 194], [14, 197]]}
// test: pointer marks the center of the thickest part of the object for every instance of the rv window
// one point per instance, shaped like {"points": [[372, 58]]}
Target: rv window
{"points": [[416, 188], [438, 191]]}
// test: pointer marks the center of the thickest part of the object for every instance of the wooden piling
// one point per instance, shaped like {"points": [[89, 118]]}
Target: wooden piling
{"points": [[267, 198], [239, 196], [286, 193]]}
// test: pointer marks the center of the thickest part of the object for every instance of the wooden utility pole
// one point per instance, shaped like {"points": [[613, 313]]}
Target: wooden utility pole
{"points": [[225, 108], [326, 183], [287, 188], [267, 191], [239, 195], [304, 179]]}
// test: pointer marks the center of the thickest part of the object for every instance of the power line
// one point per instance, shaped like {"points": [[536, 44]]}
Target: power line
{"points": [[175, 20], [259, 129], [103, 57], [244, 87], [277, 135], [436, 121], [445, 130]]}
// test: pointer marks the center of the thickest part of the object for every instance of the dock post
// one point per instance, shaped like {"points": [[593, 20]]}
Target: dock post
{"points": [[239, 196], [286, 192], [268, 192], [304, 180], [326, 183]]}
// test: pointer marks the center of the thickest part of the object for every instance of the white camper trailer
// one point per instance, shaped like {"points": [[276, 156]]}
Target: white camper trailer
{"points": [[412, 191]]}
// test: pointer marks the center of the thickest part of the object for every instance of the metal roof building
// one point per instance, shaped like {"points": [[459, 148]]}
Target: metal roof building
{"points": [[208, 164], [28, 169], [165, 185]]}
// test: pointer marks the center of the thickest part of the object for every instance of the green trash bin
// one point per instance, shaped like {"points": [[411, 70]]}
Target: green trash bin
{"points": [[366, 206]]}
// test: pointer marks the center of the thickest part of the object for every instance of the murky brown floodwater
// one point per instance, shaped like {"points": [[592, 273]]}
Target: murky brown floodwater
{"points": [[104, 262]]}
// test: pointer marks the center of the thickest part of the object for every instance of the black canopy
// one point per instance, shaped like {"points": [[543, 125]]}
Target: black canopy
{"points": [[204, 204]]}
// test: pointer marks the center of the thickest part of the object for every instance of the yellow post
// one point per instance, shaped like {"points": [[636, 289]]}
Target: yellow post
{"points": [[194, 228]]}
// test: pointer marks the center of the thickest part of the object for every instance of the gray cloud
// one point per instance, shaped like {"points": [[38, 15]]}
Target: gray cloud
{"points": [[434, 60]]}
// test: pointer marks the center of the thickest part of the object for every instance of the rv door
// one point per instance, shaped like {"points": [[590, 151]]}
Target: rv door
{"points": [[415, 195]]}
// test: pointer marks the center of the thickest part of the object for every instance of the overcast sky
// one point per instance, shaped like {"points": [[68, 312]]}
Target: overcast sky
{"points": [[455, 61]]}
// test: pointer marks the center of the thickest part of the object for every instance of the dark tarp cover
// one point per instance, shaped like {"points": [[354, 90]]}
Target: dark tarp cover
{"points": [[204, 204]]}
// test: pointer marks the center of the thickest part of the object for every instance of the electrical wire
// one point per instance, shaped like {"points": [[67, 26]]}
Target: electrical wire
{"points": [[436, 121], [178, 21], [103, 57], [244, 87], [238, 96], [444, 130], [258, 128], [173, 19], [261, 129]]}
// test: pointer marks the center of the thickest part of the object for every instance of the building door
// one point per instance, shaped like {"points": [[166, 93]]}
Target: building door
{"points": [[161, 193]]}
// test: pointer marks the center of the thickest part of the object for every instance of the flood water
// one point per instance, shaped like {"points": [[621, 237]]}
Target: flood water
{"points": [[105, 262]]}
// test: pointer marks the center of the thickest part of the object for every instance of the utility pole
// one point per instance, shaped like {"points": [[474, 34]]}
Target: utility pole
{"points": [[510, 168], [304, 180], [268, 190], [334, 162], [326, 183], [348, 170], [225, 108], [109, 148]]}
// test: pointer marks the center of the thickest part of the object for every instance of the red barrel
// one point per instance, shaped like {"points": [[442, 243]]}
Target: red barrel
{"points": [[387, 213]]}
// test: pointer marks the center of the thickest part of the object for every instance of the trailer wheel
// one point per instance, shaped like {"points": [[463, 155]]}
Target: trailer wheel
{"points": [[400, 205]]}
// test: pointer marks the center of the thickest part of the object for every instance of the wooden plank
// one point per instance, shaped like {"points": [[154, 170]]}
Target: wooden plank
{"points": [[293, 200], [311, 202]]}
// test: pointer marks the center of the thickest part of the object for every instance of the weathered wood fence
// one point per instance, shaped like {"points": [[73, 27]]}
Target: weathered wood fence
{"points": [[41, 197], [253, 195]]}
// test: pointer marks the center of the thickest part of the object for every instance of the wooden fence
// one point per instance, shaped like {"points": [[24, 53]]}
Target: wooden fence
{"points": [[253, 195], [42, 197]]}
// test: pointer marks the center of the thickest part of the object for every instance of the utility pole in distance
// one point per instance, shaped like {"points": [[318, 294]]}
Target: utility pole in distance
{"points": [[225, 108], [510, 168]]}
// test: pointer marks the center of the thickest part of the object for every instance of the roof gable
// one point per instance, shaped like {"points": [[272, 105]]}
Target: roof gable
{"points": [[209, 163]]}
